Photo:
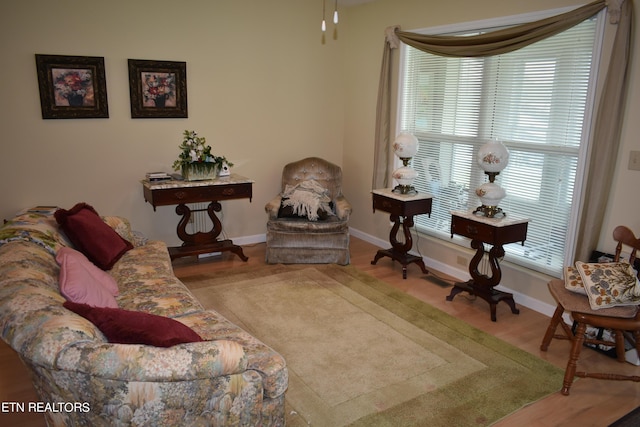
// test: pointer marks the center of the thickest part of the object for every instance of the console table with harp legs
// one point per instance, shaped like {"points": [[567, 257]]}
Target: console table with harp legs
{"points": [[174, 192], [402, 209], [492, 231]]}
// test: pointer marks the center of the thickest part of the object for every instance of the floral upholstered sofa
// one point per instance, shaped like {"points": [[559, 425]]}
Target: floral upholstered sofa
{"points": [[226, 378]]}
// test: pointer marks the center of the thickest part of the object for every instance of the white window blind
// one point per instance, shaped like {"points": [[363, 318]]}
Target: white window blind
{"points": [[534, 100]]}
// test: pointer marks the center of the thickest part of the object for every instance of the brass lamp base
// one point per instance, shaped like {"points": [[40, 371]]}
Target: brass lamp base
{"points": [[405, 189], [490, 211]]}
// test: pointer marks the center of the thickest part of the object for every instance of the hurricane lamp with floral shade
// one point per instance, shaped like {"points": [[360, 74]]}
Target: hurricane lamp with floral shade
{"points": [[405, 147], [493, 157], [195, 161]]}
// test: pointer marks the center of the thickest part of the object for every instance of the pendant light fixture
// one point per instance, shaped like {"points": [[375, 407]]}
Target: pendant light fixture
{"points": [[335, 14], [324, 23]]}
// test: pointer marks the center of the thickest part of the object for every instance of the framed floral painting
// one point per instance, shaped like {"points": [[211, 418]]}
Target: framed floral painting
{"points": [[72, 87], [158, 89]]}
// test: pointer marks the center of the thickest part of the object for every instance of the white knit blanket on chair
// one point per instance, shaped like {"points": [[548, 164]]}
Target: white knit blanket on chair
{"points": [[306, 198]]}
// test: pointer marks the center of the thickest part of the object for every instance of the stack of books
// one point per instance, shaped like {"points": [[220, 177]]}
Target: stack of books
{"points": [[158, 176]]}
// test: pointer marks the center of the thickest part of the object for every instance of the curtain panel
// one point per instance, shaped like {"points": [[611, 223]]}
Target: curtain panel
{"points": [[608, 122]]}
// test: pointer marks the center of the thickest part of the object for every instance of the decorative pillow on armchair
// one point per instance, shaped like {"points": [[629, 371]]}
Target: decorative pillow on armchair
{"points": [[306, 199], [92, 236], [573, 280], [135, 327], [609, 284]]}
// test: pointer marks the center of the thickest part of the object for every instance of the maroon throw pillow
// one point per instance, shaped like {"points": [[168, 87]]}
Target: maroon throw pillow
{"points": [[91, 235], [135, 327]]}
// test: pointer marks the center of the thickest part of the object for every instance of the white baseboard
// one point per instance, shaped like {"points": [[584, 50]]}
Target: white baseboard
{"points": [[245, 240], [209, 255], [250, 240]]}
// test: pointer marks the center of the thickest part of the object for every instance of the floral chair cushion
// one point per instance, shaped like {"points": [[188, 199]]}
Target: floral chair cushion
{"points": [[609, 284], [573, 281]]}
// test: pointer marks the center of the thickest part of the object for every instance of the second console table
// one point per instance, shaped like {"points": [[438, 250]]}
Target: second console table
{"points": [[165, 193], [492, 231]]}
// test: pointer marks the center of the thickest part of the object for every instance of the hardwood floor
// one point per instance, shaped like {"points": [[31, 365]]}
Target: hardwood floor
{"points": [[591, 403]]}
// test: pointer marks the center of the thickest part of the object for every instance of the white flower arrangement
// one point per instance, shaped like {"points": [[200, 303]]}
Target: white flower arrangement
{"points": [[196, 152]]}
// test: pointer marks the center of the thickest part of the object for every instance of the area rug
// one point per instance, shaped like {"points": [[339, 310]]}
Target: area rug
{"points": [[362, 353]]}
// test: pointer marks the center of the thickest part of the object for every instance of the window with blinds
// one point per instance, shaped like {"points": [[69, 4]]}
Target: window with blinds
{"points": [[535, 101]]}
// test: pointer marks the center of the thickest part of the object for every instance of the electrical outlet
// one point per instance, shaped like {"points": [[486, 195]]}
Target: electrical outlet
{"points": [[634, 161], [461, 260]]}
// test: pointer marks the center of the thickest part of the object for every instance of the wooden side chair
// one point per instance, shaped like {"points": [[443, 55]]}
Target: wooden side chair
{"points": [[622, 321]]}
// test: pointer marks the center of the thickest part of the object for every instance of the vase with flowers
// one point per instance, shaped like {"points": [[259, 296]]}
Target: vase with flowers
{"points": [[196, 161]]}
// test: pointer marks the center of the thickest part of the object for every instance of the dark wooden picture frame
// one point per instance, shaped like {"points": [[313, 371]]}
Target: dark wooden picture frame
{"points": [[72, 87], [158, 89]]}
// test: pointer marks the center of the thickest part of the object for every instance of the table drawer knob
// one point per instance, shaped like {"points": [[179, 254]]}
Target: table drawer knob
{"points": [[472, 229]]}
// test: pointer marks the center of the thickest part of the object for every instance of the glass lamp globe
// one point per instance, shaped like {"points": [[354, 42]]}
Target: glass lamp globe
{"points": [[405, 147], [490, 194], [493, 157]]}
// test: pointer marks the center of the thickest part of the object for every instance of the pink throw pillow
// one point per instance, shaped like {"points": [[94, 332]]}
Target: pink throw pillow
{"points": [[91, 235], [135, 327], [81, 281]]}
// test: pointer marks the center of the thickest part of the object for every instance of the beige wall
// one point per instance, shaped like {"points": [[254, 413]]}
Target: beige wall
{"points": [[262, 89]]}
